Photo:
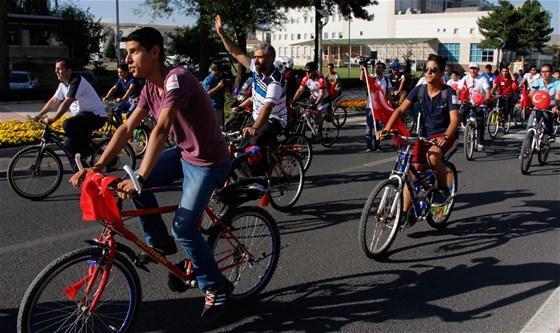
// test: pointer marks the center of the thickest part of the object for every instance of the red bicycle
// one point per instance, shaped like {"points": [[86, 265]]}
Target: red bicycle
{"points": [[97, 289]]}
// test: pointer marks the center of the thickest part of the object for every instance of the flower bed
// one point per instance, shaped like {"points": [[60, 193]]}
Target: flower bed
{"points": [[18, 133], [354, 104]]}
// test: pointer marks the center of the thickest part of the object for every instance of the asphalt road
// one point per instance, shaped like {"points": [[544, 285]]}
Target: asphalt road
{"points": [[489, 271]]}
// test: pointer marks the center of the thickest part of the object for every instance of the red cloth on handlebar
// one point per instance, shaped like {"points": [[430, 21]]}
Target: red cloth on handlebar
{"points": [[97, 201]]}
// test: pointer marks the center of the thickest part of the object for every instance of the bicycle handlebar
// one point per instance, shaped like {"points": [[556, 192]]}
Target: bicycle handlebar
{"points": [[134, 179]]}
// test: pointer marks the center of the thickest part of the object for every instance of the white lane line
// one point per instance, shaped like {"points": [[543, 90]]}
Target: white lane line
{"points": [[547, 319], [48, 240]]}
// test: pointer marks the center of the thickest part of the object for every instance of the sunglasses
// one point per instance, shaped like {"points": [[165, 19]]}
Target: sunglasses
{"points": [[434, 70]]}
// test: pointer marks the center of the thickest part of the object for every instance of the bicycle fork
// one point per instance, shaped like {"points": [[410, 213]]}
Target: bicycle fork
{"points": [[385, 198]]}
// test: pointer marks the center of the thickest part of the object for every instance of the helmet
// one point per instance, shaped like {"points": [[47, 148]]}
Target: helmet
{"points": [[541, 99], [395, 64], [289, 62], [478, 99], [279, 63]]}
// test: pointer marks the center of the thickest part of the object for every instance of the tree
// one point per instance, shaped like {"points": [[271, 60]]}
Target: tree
{"points": [[517, 30], [81, 33], [109, 50], [4, 49], [186, 42]]}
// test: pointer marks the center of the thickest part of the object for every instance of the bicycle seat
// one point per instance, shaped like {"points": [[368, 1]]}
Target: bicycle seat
{"points": [[246, 189]]}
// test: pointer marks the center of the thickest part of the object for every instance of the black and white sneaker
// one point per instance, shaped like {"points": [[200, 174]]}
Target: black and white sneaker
{"points": [[215, 301]]}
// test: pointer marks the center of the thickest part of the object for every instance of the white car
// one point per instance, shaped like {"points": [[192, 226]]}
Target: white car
{"points": [[20, 80]]}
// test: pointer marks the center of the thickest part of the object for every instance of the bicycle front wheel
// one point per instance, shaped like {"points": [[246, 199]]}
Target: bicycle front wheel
{"points": [[301, 145], [493, 123], [329, 134], [506, 123], [286, 181], [380, 219], [59, 299], [115, 167], [469, 140], [246, 250], [340, 114], [543, 152], [527, 152], [34, 172]]}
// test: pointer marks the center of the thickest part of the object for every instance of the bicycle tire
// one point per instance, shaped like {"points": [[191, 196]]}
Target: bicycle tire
{"points": [[437, 217], [46, 284], [125, 157], [469, 140], [409, 120], [251, 225], [518, 116], [28, 171], [542, 155], [329, 134], [526, 154], [340, 115], [493, 123], [301, 145], [139, 142], [367, 218], [286, 181]]}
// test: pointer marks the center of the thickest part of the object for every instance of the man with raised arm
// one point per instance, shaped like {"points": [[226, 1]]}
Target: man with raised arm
{"points": [[183, 110], [270, 114]]}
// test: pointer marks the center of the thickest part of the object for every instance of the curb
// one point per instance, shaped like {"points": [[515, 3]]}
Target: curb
{"points": [[547, 318]]}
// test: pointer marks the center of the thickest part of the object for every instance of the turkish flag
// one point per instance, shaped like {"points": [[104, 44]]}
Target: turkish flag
{"points": [[97, 201], [525, 100], [380, 105]]}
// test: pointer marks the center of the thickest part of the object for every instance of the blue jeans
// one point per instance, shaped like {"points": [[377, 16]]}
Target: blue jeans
{"points": [[198, 185], [370, 136]]}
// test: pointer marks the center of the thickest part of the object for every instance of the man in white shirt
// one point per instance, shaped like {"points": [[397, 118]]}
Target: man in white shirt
{"points": [[530, 78], [74, 93]]}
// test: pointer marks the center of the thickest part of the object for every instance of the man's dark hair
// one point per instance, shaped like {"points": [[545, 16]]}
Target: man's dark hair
{"points": [[533, 67], [550, 67], [148, 37], [439, 60], [123, 67], [488, 66], [67, 63], [311, 66], [330, 64], [382, 64]]}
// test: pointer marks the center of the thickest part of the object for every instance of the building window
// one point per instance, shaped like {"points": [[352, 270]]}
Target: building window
{"points": [[292, 37], [311, 19], [449, 50], [333, 35], [444, 30], [292, 20], [455, 31], [326, 35], [297, 20], [297, 52], [438, 29], [340, 35], [298, 36], [361, 33], [481, 55], [279, 36], [311, 36], [291, 52], [285, 36]]}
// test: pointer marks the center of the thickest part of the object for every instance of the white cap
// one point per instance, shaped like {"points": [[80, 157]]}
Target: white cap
{"points": [[474, 65]]}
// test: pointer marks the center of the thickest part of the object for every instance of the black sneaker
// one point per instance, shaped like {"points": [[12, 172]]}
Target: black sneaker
{"points": [[215, 301], [165, 248], [441, 196]]}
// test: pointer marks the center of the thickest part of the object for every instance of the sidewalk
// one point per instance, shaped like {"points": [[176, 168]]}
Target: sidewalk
{"points": [[19, 110]]}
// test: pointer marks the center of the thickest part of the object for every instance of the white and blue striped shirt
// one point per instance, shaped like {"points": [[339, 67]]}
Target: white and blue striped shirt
{"points": [[269, 89]]}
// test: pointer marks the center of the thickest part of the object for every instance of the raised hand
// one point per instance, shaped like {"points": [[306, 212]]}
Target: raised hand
{"points": [[218, 24]]}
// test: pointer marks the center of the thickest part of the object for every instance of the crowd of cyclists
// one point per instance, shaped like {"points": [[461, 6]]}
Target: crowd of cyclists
{"points": [[192, 114]]}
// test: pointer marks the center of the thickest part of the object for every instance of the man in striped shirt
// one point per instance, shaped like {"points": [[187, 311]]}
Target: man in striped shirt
{"points": [[270, 114]]}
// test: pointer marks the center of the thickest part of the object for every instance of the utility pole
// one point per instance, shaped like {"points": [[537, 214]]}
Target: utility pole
{"points": [[118, 35]]}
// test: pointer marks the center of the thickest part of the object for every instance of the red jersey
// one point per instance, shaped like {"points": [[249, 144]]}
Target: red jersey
{"points": [[505, 85], [315, 85]]}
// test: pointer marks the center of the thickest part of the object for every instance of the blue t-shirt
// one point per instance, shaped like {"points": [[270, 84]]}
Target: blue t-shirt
{"points": [[125, 84], [552, 88], [218, 98], [435, 111], [490, 78]]}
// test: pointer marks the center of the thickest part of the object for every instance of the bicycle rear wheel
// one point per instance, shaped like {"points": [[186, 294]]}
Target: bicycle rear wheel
{"points": [[493, 123], [438, 216], [286, 181], [59, 298], [34, 173], [124, 157], [248, 251], [139, 141], [543, 152], [301, 145], [379, 222], [329, 134], [518, 115], [527, 152], [469, 140], [340, 115]]}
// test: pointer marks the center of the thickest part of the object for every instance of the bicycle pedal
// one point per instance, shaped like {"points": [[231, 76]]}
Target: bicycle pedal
{"points": [[178, 285]]}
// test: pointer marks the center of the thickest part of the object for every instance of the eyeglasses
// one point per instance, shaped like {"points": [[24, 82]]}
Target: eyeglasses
{"points": [[545, 71], [434, 70]]}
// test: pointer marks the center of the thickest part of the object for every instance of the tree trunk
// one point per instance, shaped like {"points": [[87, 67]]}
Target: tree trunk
{"points": [[204, 63], [4, 48], [241, 70]]}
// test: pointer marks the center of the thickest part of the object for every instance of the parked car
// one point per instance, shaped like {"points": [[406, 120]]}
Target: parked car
{"points": [[21, 80]]}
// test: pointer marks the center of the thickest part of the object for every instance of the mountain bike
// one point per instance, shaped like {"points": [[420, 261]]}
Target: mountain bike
{"points": [[535, 140], [280, 164], [471, 136], [328, 135], [36, 171], [380, 217], [339, 112], [97, 288], [497, 119], [139, 140]]}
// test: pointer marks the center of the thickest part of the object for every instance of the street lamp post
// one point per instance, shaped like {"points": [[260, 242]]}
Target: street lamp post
{"points": [[118, 34]]}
